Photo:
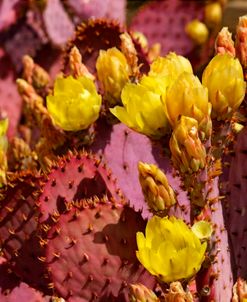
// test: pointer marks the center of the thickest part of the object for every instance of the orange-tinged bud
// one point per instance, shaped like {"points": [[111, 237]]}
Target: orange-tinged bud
{"points": [[224, 43], [241, 41], [188, 152], [140, 293], [158, 194], [176, 293]]}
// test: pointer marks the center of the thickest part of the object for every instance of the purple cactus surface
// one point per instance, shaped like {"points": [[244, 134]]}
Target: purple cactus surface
{"points": [[91, 252], [236, 222], [132, 147]]}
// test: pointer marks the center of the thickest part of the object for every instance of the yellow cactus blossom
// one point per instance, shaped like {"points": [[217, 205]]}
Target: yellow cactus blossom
{"points": [[143, 110], [188, 152], [202, 229], [197, 31], [224, 79], [158, 194], [113, 72], [3, 150], [156, 84], [75, 103], [172, 65], [169, 249], [188, 97]]}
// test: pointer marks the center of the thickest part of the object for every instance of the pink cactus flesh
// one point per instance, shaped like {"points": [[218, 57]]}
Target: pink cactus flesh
{"points": [[91, 252]]}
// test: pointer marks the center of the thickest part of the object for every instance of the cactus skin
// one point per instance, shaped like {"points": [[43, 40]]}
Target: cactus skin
{"points": [[91, 251], [18, 224], [98, 9], [76, 177], [57, 23], [10, 11], [87, 41], [150, 20], [13, 290], [10, 101], [131, 148], [236, 205], [218, 276]]}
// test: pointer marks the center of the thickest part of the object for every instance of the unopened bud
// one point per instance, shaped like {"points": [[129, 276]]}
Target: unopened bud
{"points": [[240, 291], [77, 67], [140, 293], [176, 293], [241, 41], [128, 49], [34, 74], [141, 38], [224, 43], [155, 187], [188, 152]]}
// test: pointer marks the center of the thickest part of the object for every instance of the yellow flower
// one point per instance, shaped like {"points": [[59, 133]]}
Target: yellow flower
{"points": [[226, 86], [143, 110], [197, 31], [3, 150], [156, 84], [171, 65], [158, 194], [170, 250], [113, 72], [188, 97], [188, 152], [75, 103]]}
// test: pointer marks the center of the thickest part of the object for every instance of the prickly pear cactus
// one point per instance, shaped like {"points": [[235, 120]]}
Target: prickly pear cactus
{"points": [[91, 252], [91, 206], [236, 205]]}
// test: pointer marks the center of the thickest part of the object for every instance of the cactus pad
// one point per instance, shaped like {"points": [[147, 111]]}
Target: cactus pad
{"points": [[91, 252]]}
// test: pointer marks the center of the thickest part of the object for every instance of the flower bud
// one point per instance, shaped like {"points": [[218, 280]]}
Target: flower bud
{"points": [[176, 293], [77, 67], [188, 97], [75, 103], [188, 152], [224, 43], [202, 229], [226, 86], [113, 72], [241, 41], [239, 291], [140, 293], [155, 187], [197, 31]]}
